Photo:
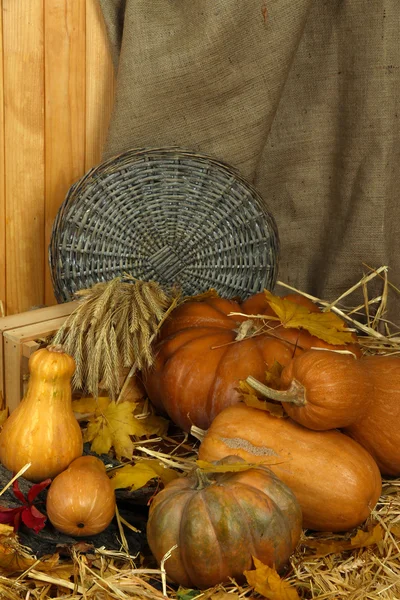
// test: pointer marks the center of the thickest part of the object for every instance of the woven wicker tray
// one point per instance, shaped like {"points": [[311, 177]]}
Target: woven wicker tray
{"points": [[169, 215]]}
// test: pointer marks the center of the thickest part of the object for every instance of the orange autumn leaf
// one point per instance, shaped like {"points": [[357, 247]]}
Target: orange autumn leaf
{"points": [[395, 529], [267, 582], [14, 559], [273, 375], [250, 398], [326, 326], [362, 539]]}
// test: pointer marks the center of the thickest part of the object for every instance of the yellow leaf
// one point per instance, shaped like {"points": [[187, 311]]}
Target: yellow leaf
{"points": [[154, 425], [133, 476], [6, 530], [100, 436], [113, 427], [111, 424], [13, 559], [362, 539], [3, 416], [327, 326], [273, 375], [367, 538], [164, 473], [267, 582], [250, 398], [90, 405], [136, 476]]}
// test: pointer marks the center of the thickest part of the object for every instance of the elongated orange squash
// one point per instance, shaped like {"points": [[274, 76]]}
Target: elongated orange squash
{"points": [[335, 480], [378, 430], [322, 389]]}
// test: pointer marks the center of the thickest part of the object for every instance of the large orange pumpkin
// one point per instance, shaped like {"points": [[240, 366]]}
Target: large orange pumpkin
{"points": [[199, 361], [218, 523]]}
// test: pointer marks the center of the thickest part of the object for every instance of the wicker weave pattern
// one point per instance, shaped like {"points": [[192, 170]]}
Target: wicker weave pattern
{"points": [[167, 215]]}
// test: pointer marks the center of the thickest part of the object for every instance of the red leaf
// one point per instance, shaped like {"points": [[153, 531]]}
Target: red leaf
{"points": [[17, 492], [36, 489], [7, 515], [29, 514], [33, 518]]}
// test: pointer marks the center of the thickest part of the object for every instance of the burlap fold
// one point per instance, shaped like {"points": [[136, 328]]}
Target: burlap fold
{"points": [[302, 96]]}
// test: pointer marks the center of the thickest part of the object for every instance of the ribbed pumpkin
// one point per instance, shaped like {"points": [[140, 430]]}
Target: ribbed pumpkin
{"points": [[335, 480], [43, 430], [81, 499], [322, 389], [199, 361], [220, 522]]}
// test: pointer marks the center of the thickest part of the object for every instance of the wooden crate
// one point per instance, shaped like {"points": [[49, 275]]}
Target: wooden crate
{"points": [[19, 335]]}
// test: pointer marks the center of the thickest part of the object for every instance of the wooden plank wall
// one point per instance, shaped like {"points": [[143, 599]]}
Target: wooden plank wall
{"points": [[56, 97]]}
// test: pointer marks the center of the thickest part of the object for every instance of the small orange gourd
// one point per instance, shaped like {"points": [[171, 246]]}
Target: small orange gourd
{"points": [[322, 389], [43, 430], [81, 499]]}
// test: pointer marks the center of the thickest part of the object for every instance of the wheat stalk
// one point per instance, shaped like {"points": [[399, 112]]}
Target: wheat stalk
{"points": [[114, 326]]}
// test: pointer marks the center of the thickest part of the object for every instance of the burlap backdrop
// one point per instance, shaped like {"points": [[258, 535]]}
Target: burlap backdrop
{"points": [[302, 96]]}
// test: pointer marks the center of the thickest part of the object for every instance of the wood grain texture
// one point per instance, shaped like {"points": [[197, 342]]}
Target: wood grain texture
{"points": [[57, 93], [99, 84], [24, 152], [65, 78], [2, 182]]}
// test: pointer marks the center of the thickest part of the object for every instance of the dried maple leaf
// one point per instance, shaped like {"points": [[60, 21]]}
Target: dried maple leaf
{"points": [[267, 582], [6, 530], [112, 425], [136, 476], [250, 398], [13, 559], [362, 539], [27, 512], [395, 529], [89, 405], [327, 326]]}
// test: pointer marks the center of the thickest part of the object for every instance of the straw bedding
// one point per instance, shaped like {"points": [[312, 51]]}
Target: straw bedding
{"points": [[358, 565]]}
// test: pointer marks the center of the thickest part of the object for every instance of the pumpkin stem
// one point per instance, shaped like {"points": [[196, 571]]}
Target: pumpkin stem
{"points": [[202, 480], [198, 433], [56, 348], [294, 394]]}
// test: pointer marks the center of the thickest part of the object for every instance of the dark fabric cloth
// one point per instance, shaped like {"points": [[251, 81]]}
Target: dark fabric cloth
{"points": [[301, 96]]}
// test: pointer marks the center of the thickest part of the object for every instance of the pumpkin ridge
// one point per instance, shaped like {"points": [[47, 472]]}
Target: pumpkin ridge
{"points": [[202, 495], [210, 396], [210, 331], [261, 497]]}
